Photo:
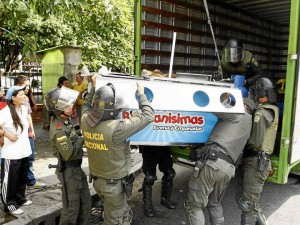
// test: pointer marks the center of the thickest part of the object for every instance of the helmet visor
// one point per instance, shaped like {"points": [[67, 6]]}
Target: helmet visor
{"points": [[233, 55], [119, 102], [66, 98]]}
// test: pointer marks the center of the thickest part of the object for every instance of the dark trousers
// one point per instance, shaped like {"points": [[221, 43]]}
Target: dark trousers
{"points": [[30, 177], [156, 155], [13, 182]]}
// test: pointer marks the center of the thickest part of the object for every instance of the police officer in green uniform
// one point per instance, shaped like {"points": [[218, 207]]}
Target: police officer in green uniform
{"points": [[215, 165], [237, 61], [67, 146], [257, 153], [108, 150]]}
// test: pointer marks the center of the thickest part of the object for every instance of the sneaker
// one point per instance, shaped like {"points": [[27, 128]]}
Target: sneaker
{"points": [[37, 185], [16, 212], [28, 202]]}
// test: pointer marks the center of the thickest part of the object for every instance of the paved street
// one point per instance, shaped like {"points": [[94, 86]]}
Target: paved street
{"points": [[281, 203]]}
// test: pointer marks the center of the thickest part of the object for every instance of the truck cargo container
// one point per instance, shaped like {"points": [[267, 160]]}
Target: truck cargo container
{"points": [[269, 29]]}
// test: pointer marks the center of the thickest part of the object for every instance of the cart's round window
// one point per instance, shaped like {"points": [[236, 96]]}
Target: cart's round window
{"points": [[201, 98]]}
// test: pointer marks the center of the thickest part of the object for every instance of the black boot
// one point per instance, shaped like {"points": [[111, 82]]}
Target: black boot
{"points": [[166, 191], [261, 219], [148, 207], [248, 218]]}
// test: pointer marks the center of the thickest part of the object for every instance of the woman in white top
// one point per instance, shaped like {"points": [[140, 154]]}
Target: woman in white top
{"points": [[14, 123]]}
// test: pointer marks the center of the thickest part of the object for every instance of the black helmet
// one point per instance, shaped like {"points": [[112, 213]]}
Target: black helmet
{"points": [[265, 87], [233, 51], [106, 105], [58, 100]]}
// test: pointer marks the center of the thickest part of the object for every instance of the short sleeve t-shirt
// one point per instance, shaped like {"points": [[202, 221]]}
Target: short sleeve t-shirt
{"points": [[21, 148], [81, 88]]}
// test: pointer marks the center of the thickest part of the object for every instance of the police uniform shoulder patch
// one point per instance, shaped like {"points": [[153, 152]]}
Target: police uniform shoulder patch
{"points": [[62, 141], [62, 138], [257, 117]]}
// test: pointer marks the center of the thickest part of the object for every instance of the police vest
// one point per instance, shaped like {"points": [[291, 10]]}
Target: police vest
{"points": [[270, 136], [244, 68], [232, 135], [108, 158]]}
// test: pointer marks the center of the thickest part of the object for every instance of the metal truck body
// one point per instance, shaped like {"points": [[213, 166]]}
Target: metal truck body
{"points": [[269, 29]]}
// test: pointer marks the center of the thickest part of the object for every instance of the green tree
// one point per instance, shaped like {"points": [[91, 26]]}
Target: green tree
{"points": [[104, 30]]}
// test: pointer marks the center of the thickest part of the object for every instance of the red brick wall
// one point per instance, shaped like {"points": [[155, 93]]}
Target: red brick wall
{"points": [[37, 116]]}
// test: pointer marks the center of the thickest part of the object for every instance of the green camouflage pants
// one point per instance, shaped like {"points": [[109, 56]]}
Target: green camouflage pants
{"points": [[206, 190], [79, 199], [116, 209]]}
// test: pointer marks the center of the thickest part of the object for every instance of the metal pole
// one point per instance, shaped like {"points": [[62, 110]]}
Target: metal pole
{"points": [[172, 54], [138, 37], [213, 36]]}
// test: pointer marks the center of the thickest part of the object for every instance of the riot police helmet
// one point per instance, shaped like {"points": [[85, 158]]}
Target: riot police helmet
{"points": [[265, 87], [107, 103], [61, 100], [233, 51]]}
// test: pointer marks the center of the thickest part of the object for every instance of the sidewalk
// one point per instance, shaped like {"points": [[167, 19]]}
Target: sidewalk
{"points": [[47, 202]]}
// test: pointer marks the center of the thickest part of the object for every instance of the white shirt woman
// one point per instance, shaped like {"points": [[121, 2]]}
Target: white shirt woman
{"points": [[21, 147], [14, 123]]}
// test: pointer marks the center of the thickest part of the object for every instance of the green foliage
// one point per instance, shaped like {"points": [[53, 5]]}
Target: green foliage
{"points": [[105, 32], [104, 29]]}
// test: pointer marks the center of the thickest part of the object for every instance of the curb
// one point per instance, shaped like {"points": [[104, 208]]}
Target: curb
{"points": [[47, 204]]}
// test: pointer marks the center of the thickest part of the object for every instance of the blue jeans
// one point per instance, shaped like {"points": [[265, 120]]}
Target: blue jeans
{"points": [[30, 176]]}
